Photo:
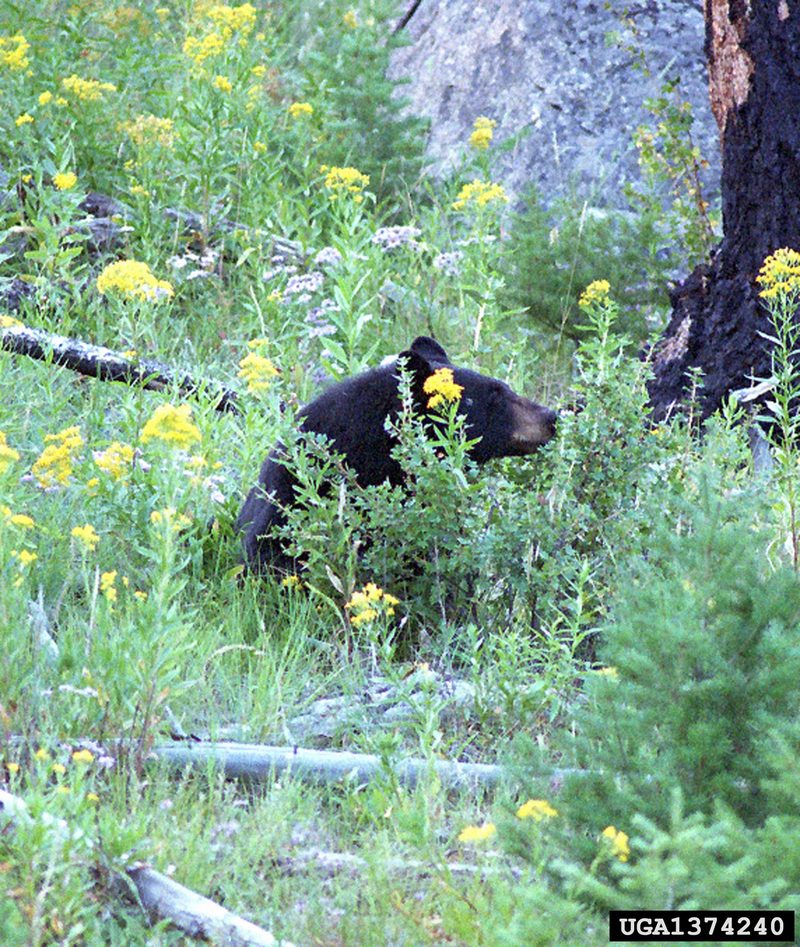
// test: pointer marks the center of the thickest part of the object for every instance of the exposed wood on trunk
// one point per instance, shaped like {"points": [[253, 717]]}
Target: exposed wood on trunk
{"points": [[717, 316], [96, 361]]}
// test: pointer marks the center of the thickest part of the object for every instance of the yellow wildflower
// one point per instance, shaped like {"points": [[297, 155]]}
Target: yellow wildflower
{"points": [[230, 20], [595, 294], [482, 133], [259, 147], [42, 755], [24, 119], [199, 50], [7, 454], [610, 672], [162, 13], [82, 756], [171, 424], [65, 180], [259, 71], [170, 518], [86, 90], [619, 843], [58, 768], [370, 603], [107, 580], [441, 387], [780, 273], [536, 809], [478, 194], [8, 322], [92, 797], [345, 181], [24, 557], [45, 98], [477, 833], [350, 19], [87, 536], [53, 467], [13, 52], [21, 520], [115, 460], [132, 278], [223, 83], [296, 109], [149, 130], [258, 371], [13, 768], [291, 582]]}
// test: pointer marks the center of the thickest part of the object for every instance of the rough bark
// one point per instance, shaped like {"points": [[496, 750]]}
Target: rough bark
{"points": [[753, 54]]}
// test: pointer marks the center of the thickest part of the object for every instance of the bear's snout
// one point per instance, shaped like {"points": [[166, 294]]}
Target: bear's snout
{"points": [[531, 425]]}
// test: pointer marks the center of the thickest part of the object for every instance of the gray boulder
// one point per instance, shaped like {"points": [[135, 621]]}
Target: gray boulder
{"points": [[562, 71]]}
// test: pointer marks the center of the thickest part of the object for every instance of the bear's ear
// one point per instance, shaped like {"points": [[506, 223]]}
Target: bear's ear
{"points": [[424, 357]]}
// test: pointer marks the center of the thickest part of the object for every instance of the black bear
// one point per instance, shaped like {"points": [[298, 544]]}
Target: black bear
{"points": [[352, 415]]}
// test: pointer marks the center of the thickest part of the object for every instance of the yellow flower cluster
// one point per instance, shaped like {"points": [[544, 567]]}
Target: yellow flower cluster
{"points": [[595, 294], [14, 52], [297, 109], [7, 454], [483, 132], [536, 809], [223, 83], [21, 520], [86, 536], [256, 369], [478, 194], [132, 278], [149, 130], [477, 833], [107, 580], [25, 119], [780, 273], [370, 603], [350, 19], [441, 387], [345, 181], [9, 322], [53, 467], [229, 20], [116, 460], [171, 424], [199, 50], [65, 180], [619, 843], [170, 518], [86, 90]]}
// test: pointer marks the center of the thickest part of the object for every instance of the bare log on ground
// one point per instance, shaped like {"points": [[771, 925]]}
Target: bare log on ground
{"points": [[96, 361], [163, 898], [258, 763]]}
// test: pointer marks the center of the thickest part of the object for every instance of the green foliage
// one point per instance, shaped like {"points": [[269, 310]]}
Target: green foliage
{"points": [[552, 253]]}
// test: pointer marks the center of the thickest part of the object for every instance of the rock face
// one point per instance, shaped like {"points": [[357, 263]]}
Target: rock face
{"points": [[553, 70]]}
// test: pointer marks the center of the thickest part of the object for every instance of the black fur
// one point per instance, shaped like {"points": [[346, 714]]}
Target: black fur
{"points": [[353, 413]]}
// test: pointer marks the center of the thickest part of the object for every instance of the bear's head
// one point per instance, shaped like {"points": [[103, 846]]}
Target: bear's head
{"points": [[506, 423]]}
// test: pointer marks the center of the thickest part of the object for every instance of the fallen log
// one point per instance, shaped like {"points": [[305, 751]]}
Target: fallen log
{"points": [[96, 361], [259, 763], [192, 913]]}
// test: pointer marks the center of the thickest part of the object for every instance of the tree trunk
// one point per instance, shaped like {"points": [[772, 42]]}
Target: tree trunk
{"points": [[753, 53]]}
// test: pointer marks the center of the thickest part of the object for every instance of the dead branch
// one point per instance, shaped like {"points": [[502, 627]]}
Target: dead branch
{"points": [[96, 361], [161, 897], [258, 763]]}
